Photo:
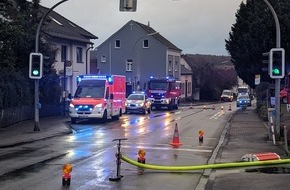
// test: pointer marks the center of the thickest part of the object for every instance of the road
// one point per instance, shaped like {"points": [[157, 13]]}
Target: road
{"points": [[92, 153]]}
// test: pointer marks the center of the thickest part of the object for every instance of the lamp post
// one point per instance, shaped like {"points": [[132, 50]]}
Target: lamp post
{"points": [[137, 74], [36, 81], [91, 47], [277, 81]]}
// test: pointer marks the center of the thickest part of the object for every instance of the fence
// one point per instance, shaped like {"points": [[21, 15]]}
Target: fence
{"points": [[14, 115]]}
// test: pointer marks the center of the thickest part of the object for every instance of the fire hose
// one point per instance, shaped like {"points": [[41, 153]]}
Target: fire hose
{"points": [[206, 166]]}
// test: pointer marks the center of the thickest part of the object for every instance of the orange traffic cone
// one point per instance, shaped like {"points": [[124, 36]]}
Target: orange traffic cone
{"points": [[190, 107], [204, 108], [175, 141], [222, 108], [230, 107]]}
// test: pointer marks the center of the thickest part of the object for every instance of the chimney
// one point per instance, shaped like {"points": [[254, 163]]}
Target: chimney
{"points": [[149, 23]]}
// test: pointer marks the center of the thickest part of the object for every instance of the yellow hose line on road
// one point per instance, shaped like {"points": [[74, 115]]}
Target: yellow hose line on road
{"points": [[207, 166]]}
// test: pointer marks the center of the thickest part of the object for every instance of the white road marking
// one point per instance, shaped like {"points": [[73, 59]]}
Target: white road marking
{"points": [[217, 115]]}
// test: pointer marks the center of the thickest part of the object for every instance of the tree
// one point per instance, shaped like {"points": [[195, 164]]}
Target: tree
{"points": [[18, 23], [254, 33], [211, 74]]}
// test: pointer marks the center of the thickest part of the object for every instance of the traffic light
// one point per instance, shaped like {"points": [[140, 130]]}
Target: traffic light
{"points": [[265, 62], [128, 5], [35, 65], [277, 63]]}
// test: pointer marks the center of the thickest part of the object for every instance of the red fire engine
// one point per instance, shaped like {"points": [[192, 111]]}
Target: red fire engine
{"points": [[99, 97], [164, 92]]}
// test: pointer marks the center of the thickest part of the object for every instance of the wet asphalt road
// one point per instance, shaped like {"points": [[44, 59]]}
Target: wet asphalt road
{"points": [[91, 152]]}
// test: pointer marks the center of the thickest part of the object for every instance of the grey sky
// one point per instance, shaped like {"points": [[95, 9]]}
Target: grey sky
{"points": [[195, 26]]}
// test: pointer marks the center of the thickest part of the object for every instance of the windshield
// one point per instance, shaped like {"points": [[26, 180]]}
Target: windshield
{"points": [[243, 97], [158, 85], [226, 93], [91, 89], [136, 97], [242, 90]]}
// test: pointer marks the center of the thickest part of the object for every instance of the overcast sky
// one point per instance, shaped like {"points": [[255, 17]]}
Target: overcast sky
{"points": [[195, 26]]}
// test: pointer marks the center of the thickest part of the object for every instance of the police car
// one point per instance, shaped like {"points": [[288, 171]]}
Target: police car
{"points": [[138, 102]]}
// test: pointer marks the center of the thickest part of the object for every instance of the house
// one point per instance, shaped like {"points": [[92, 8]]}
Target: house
{"points": [[211, 73], [138, 51], [186, 80], [72, 44]]}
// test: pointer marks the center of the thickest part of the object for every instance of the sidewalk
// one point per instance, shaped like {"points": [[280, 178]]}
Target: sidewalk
{"points": [[247, 135], [23, 132]]}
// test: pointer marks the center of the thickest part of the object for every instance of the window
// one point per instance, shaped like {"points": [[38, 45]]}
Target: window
{"points": [[176, 67], [79, 55], [117, 43], [63, 53], [145, 44], [129, 65], [103, 58], [189, 87], [170, 65]]}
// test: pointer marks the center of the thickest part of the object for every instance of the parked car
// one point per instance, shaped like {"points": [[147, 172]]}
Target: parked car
{"points": [[244, 100], [283, 96], [138, 102], [227, 96]]}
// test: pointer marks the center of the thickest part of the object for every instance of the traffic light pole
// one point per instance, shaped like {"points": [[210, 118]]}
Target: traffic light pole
{"points": [[36, 81], [277, 81]]}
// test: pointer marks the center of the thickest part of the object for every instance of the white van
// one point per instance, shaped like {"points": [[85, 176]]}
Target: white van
{"points": [[227, 96]]}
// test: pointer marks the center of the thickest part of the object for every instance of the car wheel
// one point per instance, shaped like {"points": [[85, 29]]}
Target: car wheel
{"points": [[104, 118]]}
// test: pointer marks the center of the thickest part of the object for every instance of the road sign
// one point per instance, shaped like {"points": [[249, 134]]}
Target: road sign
{"points": [[128, 5], [257, 79]]}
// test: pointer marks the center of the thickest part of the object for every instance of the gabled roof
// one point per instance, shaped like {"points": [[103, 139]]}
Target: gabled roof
{"points": [[60, 27], [148, 30], [185, 71], [199, 60], [159, 37]]}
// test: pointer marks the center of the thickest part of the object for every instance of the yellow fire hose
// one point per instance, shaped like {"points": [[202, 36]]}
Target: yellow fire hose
{"points": [[206, 166]]}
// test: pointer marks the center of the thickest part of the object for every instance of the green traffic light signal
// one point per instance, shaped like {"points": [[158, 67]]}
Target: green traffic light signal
{"points": [[35, 72], [276, 71]]}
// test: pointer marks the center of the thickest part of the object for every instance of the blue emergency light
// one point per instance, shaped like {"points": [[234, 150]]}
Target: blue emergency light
{"points": [[138, 92], [109, 78]]}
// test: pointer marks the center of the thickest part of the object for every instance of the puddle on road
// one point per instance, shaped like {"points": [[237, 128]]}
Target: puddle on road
{"points": [[271, 170]]}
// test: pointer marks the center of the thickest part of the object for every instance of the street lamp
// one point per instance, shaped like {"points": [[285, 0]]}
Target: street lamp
{"points": [[91, 47], [277, 81], [137, 74], [36, 81]]}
